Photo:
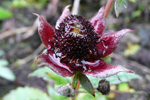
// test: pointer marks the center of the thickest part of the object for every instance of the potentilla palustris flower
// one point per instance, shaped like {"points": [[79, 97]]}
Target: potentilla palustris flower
{"points": [[78, 45]]}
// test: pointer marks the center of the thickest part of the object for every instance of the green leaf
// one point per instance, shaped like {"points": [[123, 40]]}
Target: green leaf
{"points": [[4, 14], [54, 95], [19, 3], [123, 87], [5, 72], [75, 81], [133, 1], [120, 5], [136, 14], [132, 49], [107, 59], [101, 97], [124, 77], [87, 96], [86, 84], [3, 62], [48, 75], [2, 52], [26, 93]]}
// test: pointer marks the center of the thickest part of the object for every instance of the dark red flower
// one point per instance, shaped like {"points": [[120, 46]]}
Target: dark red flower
{"points": [[77, 44]]}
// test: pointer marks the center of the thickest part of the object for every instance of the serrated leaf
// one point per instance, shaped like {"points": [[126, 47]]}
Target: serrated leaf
{"points": [[48, 75], [75, 81], [86, 84], [54, 95], [4, 14], [120, 5], [124, 77], [26, 93], [5, 72]]}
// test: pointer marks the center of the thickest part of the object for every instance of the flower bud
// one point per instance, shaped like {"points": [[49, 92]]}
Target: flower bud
{"points": [[65, 90], [103, 86]]}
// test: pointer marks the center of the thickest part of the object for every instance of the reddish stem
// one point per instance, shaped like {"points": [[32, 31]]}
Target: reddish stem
{"points": [[108, 7], [77, 89]]}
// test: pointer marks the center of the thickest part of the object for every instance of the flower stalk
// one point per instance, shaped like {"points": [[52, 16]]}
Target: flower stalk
{"points": [[108, 7]]}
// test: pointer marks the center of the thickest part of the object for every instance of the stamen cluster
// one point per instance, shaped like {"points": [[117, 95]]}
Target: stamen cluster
{"points": [[76, 40]]}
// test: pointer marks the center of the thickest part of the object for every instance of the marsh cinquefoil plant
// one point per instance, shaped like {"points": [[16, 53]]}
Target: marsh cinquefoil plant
{"points": [[76, 46]]}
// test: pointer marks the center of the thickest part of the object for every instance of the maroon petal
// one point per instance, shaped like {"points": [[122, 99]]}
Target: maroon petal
{"points": [[46, 31], [54, 64], [64, 14], [100, 69], [98, 21], [108, 42]]}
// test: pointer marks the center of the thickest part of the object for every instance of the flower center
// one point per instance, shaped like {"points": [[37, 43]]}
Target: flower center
{"points": [[76, 40]]}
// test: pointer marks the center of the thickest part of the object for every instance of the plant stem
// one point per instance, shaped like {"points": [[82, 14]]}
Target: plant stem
{"points": [[76, 94], [115, 91], [108, 7]]}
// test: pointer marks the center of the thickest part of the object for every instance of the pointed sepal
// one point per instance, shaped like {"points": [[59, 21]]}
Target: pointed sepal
{"points": [[109, 42], [98, 21], [75, 80], [86, 84], [65, 13], [101, 69], [46, 31]]}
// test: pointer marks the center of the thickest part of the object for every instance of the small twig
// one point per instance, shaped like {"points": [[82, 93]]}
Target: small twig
{"points": [[30, 57], [77, 88], [121, 92], [30, 32], [13, 32], [108, 7]]}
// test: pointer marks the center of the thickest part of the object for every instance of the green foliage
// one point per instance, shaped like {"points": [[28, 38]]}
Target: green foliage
{"points": [[27, 3], [5, 72], [107, 59], [137, 13], [124, 77], [123, 87], [131, 49], [86, 84], [26, 93], [5, 14], [48, 75], [87, 96], [75, 81], [133, 1], [19, 3], [2, 53], [120, 5], [54, 95]]}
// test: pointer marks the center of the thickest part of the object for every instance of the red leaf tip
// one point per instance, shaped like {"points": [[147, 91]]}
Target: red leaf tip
{"points": [[130, 71], [93, 95]]}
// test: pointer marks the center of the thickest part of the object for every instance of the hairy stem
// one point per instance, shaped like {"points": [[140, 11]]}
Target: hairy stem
{"points": [[108, 7]]}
